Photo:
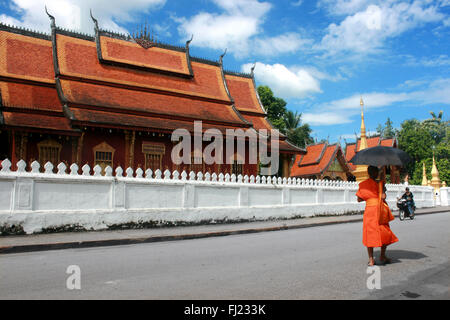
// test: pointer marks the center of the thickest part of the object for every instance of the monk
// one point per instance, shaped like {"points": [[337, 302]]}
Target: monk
{"points": [[374, 234]]}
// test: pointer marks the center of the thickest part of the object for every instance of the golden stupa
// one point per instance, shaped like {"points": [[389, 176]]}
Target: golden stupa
{"points": [[435, 181], [424, 175], [360, 172]]}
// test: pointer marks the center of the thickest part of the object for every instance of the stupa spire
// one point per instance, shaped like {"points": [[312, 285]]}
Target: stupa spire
{"points": [[363, 144], [424, 175], [435, 181]]}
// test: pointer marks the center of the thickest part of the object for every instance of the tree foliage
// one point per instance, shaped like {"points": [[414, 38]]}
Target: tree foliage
{"points": [[275, 107], [288, 122], [420, 139], [387, 131]]}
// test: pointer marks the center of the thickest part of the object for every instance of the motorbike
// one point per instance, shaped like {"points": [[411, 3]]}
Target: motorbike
{"points": [[403, 210]]}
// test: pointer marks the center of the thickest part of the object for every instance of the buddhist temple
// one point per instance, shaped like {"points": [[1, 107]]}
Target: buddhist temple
{"points": [[322, 161], [113, 99], [363, 142], [373, 141]]}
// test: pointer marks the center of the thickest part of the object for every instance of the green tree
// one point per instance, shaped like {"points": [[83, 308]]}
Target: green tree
{"points": [[389, 131], [275, 107], [297, 133], [436, 126], [420, 139]]}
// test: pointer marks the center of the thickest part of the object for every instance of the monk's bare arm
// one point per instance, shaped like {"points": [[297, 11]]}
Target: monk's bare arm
{"points": [[360, 200]]}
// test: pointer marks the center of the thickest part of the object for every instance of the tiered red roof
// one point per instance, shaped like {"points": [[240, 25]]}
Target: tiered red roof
{"points": [[317, 160], [27, 84], [351, 148], [154, 58], [116, 90]]}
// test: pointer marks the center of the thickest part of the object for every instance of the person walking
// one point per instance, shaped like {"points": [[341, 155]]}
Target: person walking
{"points": [[376, 230]]}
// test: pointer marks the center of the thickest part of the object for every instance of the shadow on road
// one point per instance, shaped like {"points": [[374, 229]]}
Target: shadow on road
{"points": [[399, 255]]}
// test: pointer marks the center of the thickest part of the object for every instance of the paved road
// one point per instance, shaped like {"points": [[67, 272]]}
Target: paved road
{"points": [[326, 262]]}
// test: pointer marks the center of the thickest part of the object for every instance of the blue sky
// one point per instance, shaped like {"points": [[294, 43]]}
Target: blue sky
{"points": [[320, 56]]}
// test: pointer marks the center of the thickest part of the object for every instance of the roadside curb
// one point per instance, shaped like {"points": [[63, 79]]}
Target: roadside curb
{"points": [[129, 241]]}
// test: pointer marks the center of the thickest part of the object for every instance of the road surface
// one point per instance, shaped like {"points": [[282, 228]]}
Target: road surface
{"points": [[327, 262]]}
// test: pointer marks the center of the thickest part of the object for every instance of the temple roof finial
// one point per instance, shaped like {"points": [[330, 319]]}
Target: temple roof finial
{"points": [[252, 70], [223, 55], [52, 18], [94, 20], [189, 41]]}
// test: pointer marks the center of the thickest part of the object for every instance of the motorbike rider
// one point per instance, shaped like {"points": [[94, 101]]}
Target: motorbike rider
{"points": [[409, 197]]}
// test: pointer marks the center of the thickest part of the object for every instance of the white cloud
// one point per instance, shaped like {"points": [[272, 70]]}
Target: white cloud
{"points": [[238, 27], [285, 43], [367, 31], [74, 14], [325, 118], [350, 136], [297, 3], [239, 21], [446, 22], [433, 61], [344, 110], [286, 83], [343, 7], [371, 100]]}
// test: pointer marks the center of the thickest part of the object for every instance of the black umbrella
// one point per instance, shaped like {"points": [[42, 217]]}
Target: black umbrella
{"points": [[381, 156]]}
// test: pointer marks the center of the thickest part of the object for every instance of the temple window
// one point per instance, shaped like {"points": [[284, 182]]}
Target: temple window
{"points": [[49, 150], [104, 156], [153, 153]]}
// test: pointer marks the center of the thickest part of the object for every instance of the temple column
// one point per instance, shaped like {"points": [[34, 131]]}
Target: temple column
{"points": [[79, 150], [395, 175], [284, 165], [130, 138]]}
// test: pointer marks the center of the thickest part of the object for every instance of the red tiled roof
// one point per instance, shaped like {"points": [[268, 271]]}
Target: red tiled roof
{"points": [[96, 117], [126, 52], [78, 58], [30, 96], [259, 122], [25, 57], [119, 99], [350, 149], [40, 121], [305, 166], [286, 147], [313, 154], [243, 92]]}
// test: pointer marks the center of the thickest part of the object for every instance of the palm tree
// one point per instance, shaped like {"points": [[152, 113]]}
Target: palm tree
{"points": [[292, 120], [297, 133], [435, 119]]}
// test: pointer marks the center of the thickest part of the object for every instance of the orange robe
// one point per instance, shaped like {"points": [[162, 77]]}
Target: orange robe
{"points": [[374, 234]]}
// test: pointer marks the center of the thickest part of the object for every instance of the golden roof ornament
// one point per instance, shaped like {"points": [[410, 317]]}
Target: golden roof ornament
{"points": [[145, 37], [435, 181], [424, 175]]}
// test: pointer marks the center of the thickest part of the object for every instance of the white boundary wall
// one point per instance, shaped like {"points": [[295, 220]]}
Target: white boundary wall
{"points": [[37, 200]]}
